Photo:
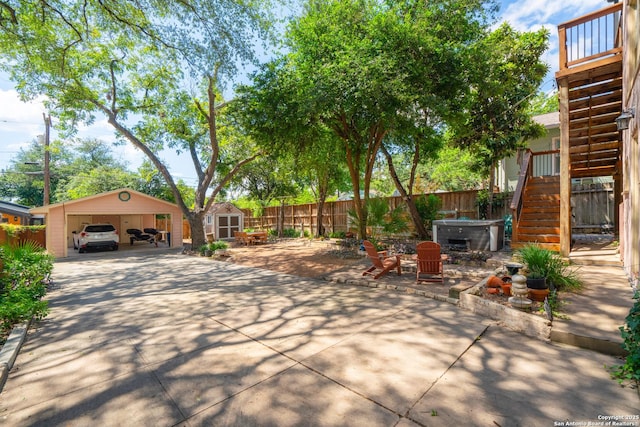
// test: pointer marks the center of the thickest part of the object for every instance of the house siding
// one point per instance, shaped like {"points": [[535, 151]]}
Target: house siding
{"points": [[630, 209]]}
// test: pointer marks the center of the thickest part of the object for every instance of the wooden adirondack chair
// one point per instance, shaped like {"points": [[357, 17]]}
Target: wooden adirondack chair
{"points": [[429, 263], [381, 262]]}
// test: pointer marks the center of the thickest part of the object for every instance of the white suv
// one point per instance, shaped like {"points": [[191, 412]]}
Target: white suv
{"points": [[96, 236]]}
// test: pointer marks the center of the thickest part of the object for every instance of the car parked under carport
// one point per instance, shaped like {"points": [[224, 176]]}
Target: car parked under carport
{"points": [[123, 208]]}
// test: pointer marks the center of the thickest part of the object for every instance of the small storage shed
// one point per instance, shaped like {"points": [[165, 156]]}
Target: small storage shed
{"points": [[124, 208], [222, 220]]}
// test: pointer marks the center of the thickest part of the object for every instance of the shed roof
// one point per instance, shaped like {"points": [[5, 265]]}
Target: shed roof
{"points": [[224, 207]]}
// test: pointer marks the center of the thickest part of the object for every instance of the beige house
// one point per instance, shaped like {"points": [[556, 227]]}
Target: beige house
{"points": [[124, 208], [222, 220], [630, 203], [549, 164]]}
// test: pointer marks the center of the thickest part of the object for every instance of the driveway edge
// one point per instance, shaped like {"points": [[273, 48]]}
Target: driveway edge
{"points": [[10, 350]]}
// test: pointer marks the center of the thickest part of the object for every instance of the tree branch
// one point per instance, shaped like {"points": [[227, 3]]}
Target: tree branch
{"points": [[12, 12], [122, 130], [228, 178]]}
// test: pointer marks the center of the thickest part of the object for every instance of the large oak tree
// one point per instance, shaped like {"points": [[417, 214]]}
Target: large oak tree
{"points": [[368, 71], [153, 68]]}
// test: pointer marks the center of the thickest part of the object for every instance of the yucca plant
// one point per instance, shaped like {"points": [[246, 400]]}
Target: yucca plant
{"points": [[382, 219], [541, 262], [536, 259]]}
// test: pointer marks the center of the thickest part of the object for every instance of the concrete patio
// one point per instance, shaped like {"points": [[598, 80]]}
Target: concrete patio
{"points": [[163, 339]]}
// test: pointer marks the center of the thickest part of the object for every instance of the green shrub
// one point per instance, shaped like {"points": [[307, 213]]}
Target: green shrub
{"points": [[26, 269], [290, 232], [630, 332], [381, 218], [428, 207], [218, 244], [338, 235]]}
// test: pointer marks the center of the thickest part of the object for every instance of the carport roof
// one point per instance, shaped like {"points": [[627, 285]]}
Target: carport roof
{"points": [[46, 209]]}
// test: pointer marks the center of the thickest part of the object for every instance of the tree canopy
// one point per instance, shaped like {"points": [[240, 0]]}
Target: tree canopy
{"points": [[152, 68], [78, 169], [498, 119], [365, 70]]}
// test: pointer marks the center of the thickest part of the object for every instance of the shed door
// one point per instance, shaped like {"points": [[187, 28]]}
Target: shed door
{"points": [[227, 225]]}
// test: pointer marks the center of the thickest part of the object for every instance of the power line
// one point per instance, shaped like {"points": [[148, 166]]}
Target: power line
{"points": [[18, 122]]}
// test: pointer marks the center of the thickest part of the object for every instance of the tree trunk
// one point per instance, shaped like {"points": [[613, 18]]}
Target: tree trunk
{"points": [[492, 177], [420, 229], [198, 238], [323, 190], [319, 225], [353, 162], [281, 220]]}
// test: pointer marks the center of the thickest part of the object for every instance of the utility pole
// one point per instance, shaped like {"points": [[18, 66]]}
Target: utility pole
{"points": [[46, 174]]}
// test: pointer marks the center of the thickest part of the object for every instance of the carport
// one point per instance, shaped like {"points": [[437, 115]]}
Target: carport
{"points": [[124, 208]]}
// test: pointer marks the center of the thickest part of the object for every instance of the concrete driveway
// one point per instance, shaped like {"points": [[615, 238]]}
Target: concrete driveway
{"points": [[163, 339]]}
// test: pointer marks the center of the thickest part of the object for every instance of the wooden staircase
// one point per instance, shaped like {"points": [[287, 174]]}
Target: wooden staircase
{"points": [[538, 219], [590, 95]]}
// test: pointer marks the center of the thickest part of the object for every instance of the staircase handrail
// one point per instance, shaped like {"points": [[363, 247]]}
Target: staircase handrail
{"points": [[525, 172], [516, 202]]}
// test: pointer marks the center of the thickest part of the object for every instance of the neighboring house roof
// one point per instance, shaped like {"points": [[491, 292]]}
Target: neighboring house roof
{"points": [[45, 209], [13, 208], [549, 120]]}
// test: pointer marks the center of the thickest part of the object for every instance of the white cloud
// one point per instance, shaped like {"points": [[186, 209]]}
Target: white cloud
{"points": [[523, 15], [531, 15], [22, 122], [21, 117]]}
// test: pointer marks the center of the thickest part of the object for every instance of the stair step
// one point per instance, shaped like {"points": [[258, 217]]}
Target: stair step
{"points": [[542, 196], [542, 238], [550, 246], [540, 215], [537, 211], [539, 230], [546, 222]]}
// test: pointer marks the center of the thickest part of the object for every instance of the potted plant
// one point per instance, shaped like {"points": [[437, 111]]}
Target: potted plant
{"points": [[538, 261]]}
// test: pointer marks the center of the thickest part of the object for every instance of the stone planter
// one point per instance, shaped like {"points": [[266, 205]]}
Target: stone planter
{"points": [[512, 318]]}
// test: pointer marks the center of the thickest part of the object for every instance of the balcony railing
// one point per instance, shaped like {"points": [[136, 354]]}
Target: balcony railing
{"points": [[597, 35], [545, 163]]}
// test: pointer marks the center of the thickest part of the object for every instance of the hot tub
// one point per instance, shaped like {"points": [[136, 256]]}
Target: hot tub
{"points": [[479, 235]]}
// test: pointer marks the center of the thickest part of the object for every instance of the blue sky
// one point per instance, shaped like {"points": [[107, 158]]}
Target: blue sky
{"points": [[21, 123]]}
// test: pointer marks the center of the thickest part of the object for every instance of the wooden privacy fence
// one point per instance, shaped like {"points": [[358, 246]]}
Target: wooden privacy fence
{"points": [[23, 234], [335, 216], [592, 207]]}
